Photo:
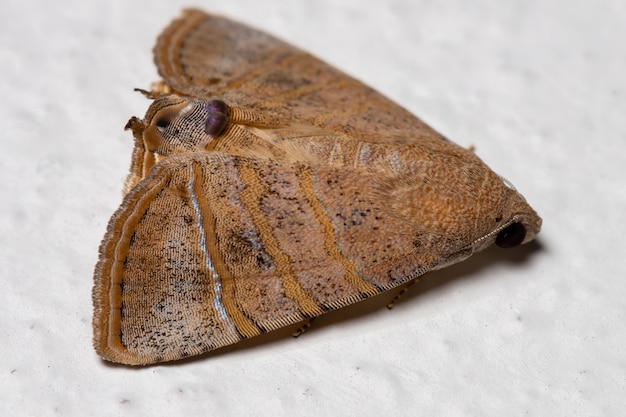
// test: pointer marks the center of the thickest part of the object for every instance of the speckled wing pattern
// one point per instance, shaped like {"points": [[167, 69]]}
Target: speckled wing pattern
{"points": [[310, 193]]}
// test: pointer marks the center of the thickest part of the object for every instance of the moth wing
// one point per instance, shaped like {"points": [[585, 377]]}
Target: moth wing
{"points": [[212, 248], [156, 294], [208, 56]]}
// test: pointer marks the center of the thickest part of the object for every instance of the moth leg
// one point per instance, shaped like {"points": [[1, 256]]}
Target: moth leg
{"points": [[305, 326], [404, 289]]}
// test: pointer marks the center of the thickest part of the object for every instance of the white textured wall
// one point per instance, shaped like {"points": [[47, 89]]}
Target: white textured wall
{"points": [[539, 87]]}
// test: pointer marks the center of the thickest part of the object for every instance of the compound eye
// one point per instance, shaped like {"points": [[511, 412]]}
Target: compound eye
{"points": [[163, 123], [512, 236], [217, 118]]}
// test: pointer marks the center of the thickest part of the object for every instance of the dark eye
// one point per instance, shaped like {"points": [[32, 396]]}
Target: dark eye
{"points": [[217, 118], [511, 236], [217, 106], [162, 123], [215, 124]]}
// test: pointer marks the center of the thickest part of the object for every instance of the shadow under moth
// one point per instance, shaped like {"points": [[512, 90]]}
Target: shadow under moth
{"points": [[267, 187]]}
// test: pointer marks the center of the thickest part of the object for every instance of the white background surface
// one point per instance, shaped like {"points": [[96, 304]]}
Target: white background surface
{"points": [[539, 87]]}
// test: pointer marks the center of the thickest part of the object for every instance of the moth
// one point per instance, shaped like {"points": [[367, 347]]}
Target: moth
{"points": [[267, 187]]}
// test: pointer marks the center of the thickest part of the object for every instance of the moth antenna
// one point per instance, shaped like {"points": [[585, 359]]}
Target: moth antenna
{"points": [[146, 93], [152, 95], [158, 89]]}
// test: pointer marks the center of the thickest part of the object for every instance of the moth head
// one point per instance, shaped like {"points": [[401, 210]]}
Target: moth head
{"points": [[175, 124]]}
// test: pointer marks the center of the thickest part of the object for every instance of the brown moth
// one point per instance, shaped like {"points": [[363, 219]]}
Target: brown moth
{"points": [[267, 187]]}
